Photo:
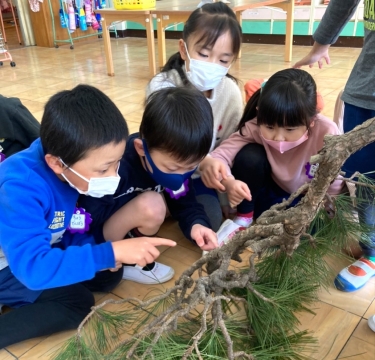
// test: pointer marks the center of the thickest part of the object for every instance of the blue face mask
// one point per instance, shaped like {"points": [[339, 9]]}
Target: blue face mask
{"points": [[169, 181]]}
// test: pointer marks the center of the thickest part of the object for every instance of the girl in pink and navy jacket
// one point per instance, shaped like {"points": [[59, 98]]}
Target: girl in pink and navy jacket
{"points": [[281, 130]]}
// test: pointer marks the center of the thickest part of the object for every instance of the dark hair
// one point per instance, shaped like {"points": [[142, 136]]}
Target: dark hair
{"points": [[288, 98], [178, 121], [211, 21], [78, 120]]}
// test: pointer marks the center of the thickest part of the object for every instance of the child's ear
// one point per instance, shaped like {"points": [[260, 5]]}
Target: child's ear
{"points": [[55, 164], [138, 145], [182, 49]]}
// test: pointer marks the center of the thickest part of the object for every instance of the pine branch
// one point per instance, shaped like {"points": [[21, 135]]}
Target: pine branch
{"points": [[281, 231]]}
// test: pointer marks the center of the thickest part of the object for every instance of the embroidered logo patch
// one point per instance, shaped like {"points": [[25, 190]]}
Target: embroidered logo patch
{"points": [[80, 221], [182, 191], [311, 170]]}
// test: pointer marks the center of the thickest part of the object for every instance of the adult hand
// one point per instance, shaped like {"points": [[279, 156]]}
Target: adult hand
{"points": [[205, 238], [140, 251], [317, 54]]}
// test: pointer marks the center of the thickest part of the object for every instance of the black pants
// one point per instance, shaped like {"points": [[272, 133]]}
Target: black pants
{"points": [[55, 310], [252, 167]]}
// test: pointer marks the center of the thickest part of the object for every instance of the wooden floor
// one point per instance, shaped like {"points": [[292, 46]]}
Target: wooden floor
{"points": [[340, 323]]}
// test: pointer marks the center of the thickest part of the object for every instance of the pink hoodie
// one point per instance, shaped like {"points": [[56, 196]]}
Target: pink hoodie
{"points": [[291, 169]]}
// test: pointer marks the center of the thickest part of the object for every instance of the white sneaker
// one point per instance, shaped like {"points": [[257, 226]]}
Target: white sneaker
{"points": [[226, 232], [243, 221], [159, 274], [371, 322]]}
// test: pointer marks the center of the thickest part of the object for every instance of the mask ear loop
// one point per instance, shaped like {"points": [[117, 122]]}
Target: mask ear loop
{"points": [[73, 171], [187, 52], [62, 162]]}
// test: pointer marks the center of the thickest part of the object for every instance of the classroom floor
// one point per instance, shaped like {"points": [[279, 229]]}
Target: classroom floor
{"points": [[340, 320]]}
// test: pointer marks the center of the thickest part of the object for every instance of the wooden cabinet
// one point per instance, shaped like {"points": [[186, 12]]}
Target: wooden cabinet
{"points": [[42, 25]]}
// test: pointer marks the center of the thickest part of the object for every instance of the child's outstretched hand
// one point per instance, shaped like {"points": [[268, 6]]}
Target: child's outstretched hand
{"points": [[205, 238], [237, 191], [140, 251], [212, 172]]}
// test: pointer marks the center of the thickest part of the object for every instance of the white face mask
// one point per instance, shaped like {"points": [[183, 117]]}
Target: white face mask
{"points": [[205, 75], [98, 187]]}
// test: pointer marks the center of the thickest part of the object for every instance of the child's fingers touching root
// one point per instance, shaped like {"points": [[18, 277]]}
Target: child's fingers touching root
{"points": [[205, 238]]}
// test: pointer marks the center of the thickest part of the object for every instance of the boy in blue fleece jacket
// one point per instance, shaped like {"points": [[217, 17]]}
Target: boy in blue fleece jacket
{"points": [[49, 264]]}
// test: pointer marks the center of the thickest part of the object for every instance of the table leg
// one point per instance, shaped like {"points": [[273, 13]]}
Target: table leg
{"points": [[239, 18], [107, 49], [161, 43], [289, 30], [150, 45]]}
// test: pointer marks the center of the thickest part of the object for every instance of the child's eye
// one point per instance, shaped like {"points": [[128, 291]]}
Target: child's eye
{"points": [[224, 62], [202, 55], [170, 170], [103, 171], [290, 130], [269, 127]]}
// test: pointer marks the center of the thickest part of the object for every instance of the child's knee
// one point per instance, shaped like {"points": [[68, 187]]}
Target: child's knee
{"points": [[152, 207]]}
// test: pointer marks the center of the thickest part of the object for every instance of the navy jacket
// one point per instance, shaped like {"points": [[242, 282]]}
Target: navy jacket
{"points": [[135, 180]]}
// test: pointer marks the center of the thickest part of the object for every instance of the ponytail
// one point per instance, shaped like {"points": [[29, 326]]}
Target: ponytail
{"points": [[175, 62], [250, 111]]}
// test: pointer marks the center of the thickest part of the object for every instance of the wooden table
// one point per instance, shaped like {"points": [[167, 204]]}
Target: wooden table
{"points": [[174, 11], [169, 12], [143, 17]]}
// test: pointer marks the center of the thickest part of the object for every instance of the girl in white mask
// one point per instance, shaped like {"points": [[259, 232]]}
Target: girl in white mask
{"points": [[281, 121], [210, 45]]}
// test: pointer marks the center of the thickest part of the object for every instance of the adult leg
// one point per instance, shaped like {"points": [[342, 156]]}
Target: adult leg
{"points": [[363, 160], [357, 275]]}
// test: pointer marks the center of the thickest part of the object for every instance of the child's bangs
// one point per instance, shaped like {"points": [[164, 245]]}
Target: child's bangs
{"points": [[283, 109], [210, 29]]}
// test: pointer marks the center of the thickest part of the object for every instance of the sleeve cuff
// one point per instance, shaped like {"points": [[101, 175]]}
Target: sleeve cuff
{"points": [[103, 255]]}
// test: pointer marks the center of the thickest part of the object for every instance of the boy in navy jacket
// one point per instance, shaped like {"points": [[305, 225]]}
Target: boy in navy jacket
{"points": [[175, 135]]}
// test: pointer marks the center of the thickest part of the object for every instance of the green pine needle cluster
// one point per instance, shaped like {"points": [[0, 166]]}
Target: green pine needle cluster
{"points": [[264, 326]]}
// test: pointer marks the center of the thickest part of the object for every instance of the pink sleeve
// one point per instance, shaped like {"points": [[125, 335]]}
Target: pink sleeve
{"points": [[228, 149], [336, 187]]}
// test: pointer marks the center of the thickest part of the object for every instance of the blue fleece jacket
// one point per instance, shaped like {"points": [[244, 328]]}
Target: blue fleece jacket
{"points": [[35, 210]]}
